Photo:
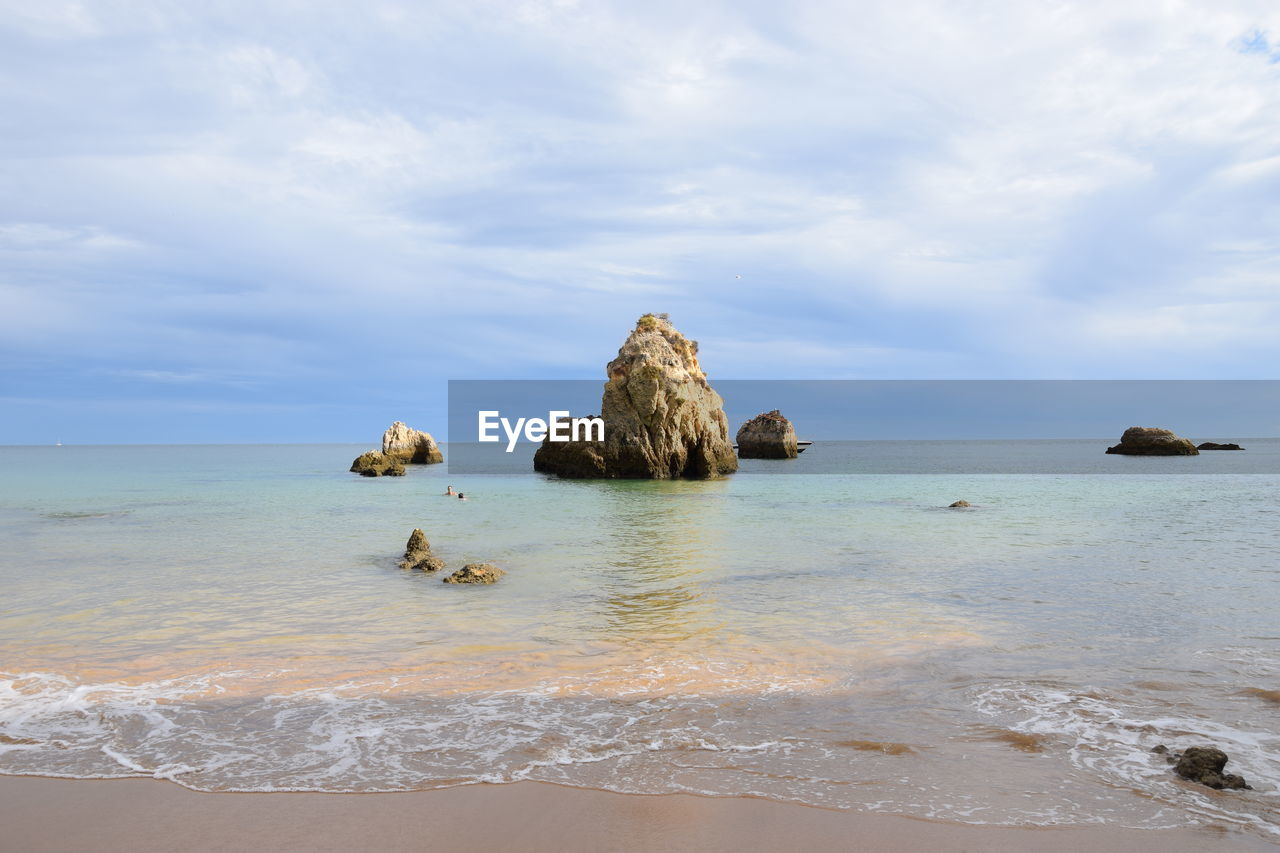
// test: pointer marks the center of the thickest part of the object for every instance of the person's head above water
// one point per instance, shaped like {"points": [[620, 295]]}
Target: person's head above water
{"points": [[461, 496]]}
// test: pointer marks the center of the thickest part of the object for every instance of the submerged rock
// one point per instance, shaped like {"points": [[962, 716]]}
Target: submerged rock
{"points": [[1209, 445], [374, 463], [1205, 764], [476, 573], [1152, 441], [662, 420], [418, 556], [959, 504], [410, 445], [767, 436]]}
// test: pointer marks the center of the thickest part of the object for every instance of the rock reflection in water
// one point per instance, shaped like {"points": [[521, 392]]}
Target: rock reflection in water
{"points": [[660, 553]]}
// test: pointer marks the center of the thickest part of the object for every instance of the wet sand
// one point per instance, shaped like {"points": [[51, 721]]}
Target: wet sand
{"points": [[41, 814]]}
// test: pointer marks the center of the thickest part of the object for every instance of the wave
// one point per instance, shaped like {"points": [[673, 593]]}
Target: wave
{"points": [[1110, 736], [245, 731]]}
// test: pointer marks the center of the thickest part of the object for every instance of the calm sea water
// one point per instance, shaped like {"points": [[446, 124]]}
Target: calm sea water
{"points": [[232, 618]]}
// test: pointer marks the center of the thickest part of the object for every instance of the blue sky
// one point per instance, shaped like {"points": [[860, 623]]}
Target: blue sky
{"points": [[295, 221]]}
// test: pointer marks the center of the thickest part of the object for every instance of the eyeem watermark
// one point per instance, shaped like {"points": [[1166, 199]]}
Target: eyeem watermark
{"points": [[557, 427]]}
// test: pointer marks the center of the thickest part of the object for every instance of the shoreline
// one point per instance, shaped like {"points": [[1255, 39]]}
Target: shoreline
{"points": [[41, 813]]}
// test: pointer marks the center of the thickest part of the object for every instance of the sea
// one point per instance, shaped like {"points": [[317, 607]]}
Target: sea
{"points": [[232, 618]]}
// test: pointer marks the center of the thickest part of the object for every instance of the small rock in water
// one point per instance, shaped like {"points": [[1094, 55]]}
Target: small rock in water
{"points": [[1213, 445], [418, 556], [476, 573], [959, 504], [377, 464], [410, 445], [1204, 764], [767, 436], [417, 541], [1153, 441], [424, 563]]}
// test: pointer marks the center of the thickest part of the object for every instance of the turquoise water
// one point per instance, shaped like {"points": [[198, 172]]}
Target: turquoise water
{"points": [[232, 618]]}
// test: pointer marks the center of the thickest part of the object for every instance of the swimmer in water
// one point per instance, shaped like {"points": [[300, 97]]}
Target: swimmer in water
{"points": [[449, 492], [461, 496]]}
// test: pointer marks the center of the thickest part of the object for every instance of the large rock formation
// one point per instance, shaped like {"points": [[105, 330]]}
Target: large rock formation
{"points": [[661, 419], [1151, 441], [476, 573], [410, 445], [418, 556], [1211, 445], [767, 436], [374, 463]]}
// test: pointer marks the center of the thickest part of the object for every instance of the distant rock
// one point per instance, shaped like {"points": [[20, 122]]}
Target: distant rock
{"points": [[662, 420], [476, 573], [410, 445], [1152, 441], [959, 504], [1209, 445], [418, 556], [374, 463], [1205, 764], [767, 436]]}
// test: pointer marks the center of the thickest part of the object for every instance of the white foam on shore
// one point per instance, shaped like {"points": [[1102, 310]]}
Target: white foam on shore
{"points": [[374, 735], [1111, 738]]}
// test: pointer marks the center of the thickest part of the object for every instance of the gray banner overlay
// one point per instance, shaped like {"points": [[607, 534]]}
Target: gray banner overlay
{"points": [[920, 427]]}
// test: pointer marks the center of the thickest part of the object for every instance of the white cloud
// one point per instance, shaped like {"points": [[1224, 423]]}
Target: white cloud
{"points": [[992, 189], [50, 18], [256, 74]]}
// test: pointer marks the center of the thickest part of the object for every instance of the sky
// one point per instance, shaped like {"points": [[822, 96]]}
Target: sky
{"points": [[288, 221]]}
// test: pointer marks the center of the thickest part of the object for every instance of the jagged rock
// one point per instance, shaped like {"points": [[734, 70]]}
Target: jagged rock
{"points": [[418, 556], [1209, 445], [661, 419], [767, 436], [423, 563], [417, 542], [1204, 764], [410, 445], [959, 504], [1152, 441], [374, 463], [476, 573]]}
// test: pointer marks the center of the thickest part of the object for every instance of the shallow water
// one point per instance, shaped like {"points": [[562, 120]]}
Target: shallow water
{"points": [[232, 618]]}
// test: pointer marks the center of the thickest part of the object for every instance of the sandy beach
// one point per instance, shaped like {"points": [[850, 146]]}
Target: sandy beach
{"points": [[42, 814]]}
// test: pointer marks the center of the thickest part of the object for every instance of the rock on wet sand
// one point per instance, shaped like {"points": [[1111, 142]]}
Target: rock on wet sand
{"points": [[1204, 764]]}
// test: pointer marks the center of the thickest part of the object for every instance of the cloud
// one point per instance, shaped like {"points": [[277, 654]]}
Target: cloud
{"points": [[322, 198]]}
